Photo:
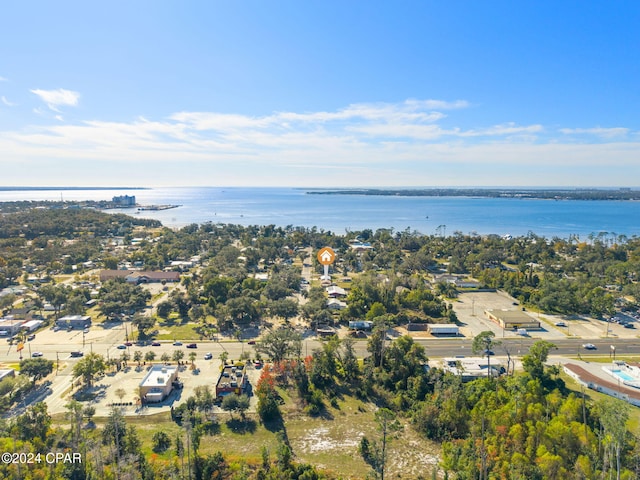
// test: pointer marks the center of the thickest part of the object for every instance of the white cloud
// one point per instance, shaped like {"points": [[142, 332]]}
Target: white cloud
{"points": [[7, 102], [408, 141], [3, 79], [58, 98], [597, 131]]}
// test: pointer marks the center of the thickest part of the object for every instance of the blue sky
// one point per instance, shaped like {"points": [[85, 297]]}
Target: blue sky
{"points": [[411, 93]]}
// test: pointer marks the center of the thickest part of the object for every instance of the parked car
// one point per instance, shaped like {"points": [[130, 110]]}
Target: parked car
{"points": [[208, 356], [128, 344], [192, 345], [77, 354], [36, 354], [629, 325], [31, 337], [589, 346]]}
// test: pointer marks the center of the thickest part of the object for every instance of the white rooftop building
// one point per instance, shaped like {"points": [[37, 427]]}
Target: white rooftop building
{"points": [[158, 383]]}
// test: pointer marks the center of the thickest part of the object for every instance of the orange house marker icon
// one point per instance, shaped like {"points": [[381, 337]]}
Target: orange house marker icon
{"points": [[326, 256]]}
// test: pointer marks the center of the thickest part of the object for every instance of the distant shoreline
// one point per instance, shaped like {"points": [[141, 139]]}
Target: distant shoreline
{"points": [[44, 189], [622, 194]]}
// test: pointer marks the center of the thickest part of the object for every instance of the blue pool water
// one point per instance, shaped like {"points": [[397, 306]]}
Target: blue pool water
{"points": [[624, 376]]}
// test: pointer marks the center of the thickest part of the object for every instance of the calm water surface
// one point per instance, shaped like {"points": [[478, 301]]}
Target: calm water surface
{"points": [[339, 213]]}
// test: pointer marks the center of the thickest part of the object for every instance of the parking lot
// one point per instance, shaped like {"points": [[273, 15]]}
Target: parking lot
{"points": [[470, 308]]}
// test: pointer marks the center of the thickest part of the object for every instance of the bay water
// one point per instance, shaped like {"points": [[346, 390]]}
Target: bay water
{"points": [[341, 213]]}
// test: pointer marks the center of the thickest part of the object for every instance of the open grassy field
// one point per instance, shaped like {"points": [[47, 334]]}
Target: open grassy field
{"points": [[329, 441]]}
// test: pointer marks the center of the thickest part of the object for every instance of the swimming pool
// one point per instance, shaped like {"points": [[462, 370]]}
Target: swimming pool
{"points": [[624, 376]]}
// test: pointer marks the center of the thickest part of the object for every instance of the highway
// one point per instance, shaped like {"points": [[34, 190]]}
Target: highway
{"points": [[435, 348]]}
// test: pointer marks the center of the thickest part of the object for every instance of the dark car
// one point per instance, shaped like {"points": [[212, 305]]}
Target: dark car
{"points": [[192, 345], [77, 354], [31, 337], [251, 342], [155, 344], [488, 352]]}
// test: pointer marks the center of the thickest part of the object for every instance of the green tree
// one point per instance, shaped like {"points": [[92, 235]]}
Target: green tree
{"points": [[533, 362], [177, 356], [149, 356], [34, 423], [160, 441], [280, 344], [143, 323], [137, 357], [36, 367], [89, 367], [484, 343]]}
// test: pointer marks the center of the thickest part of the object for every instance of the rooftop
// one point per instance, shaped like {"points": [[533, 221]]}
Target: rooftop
{"points": [[158, 376]]}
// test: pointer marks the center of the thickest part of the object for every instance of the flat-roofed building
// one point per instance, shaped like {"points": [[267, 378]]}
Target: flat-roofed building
{"points": [[32, 325], [7, 373], [472, 368], [232, 379], [513, 319], [10, 325], [158, 383], [140, 276], [443, 329], [74, 321]]}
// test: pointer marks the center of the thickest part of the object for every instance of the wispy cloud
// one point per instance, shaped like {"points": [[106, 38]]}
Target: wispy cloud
{"points": [[597, 131], [4, 79], [58, 98], [7, 102], [415, 142]]}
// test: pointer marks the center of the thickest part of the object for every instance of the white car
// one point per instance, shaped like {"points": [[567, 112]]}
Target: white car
{"points": [[36, 354], [208, 356], [589, 346], [561, 324]]}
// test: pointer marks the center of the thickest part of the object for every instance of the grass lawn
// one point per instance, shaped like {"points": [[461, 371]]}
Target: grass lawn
{"points": [[177, 331], [329, 441]]}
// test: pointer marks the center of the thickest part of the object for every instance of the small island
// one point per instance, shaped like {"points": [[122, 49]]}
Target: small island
{"points": [[532, 193]]}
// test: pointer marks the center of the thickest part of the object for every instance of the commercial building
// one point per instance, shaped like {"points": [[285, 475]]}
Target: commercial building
{"points": [[32, 325], [232, 380], [472, 368], [513, 319], [360, 325], [443, 329], [139, 276], [74, 322], [158, 383], [10, 325]]}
